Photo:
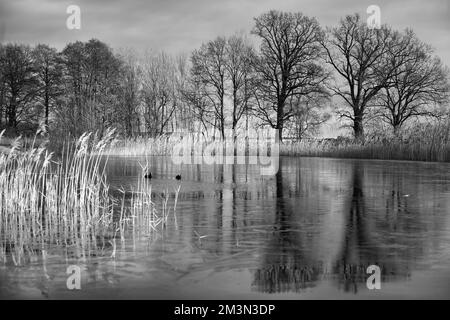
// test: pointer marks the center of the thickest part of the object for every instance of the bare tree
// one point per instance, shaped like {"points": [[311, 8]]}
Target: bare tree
{"points": [[288, 64], [2, 99], [357, 54], [92, 83], [49, 69], [20, 83], [309, 115], [239, 65], [420, 80], [127, 113], [158, 92], [71, 113], [184, 118], [209, 75], [2, 89], [193, 94]]}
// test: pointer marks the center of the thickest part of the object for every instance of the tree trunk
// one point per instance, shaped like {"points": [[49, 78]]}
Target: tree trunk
{"points": [[1, 106], [280, 119], [46, 108], [12, 121], [396, 127], [358, 126]]}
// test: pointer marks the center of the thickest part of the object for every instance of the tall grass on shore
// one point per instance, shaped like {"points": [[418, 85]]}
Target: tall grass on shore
{"points": [[427, 143], [196, 144], [65, 202], [421, 143], [138, 146], [46, 201]]}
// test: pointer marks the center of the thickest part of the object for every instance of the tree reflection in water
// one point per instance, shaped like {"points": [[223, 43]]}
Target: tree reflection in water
{"points": [[289, 264], [317, 223], [287, 267]]}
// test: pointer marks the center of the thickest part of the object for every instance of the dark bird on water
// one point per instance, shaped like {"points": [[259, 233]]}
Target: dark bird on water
{"points": [[178, 177], [148, 175]]}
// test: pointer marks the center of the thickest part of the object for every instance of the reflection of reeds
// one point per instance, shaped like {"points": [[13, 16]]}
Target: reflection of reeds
{"points": [[65, 203]]}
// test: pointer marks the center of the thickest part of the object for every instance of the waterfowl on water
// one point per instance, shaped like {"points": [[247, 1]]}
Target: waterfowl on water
{"points": [[148, 175], [178, 177]]}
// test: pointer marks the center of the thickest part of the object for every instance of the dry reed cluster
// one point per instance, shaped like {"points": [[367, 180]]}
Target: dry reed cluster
{"points": [[421, 143], [65, 202]]}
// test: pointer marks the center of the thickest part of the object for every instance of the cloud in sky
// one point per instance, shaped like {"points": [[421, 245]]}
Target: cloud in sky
{"points": [[180, 26]]}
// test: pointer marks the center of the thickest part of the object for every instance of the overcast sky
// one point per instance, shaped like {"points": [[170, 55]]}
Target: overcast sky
{"points": [[181, 25], [178, 26]]}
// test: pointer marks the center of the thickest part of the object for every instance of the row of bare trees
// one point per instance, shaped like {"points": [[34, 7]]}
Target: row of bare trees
{"points": [[382, 72], [73, 89], [221, 69], [288, 81]]}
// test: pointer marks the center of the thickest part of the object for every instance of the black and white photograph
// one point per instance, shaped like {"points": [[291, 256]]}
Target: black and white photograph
{"points": [[224, 150]]}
